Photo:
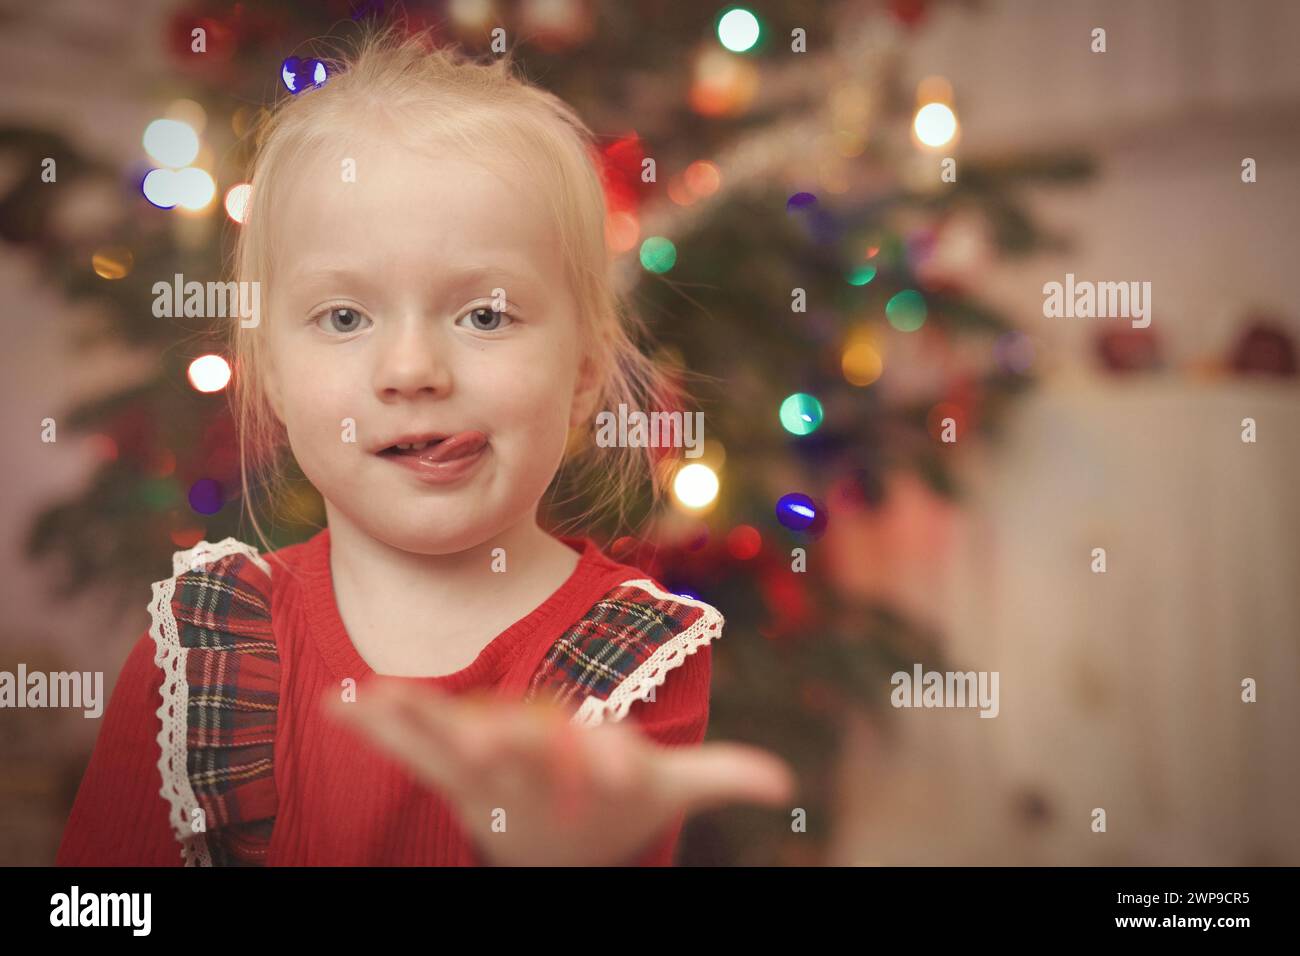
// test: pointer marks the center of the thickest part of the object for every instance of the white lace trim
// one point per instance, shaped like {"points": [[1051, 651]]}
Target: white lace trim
{"points": [[170, 655], [640, 684]]}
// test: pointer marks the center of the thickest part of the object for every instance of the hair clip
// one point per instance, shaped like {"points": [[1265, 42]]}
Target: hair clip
{"points": [[299, 74]]}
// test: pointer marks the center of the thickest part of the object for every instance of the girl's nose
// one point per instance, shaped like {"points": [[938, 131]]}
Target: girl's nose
{"points": [[412, 362]]}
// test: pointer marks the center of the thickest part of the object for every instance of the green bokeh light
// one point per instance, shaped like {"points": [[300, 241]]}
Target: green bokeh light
{"points": [[861, 275], [906, 311], [801, 414], [658, 254]]}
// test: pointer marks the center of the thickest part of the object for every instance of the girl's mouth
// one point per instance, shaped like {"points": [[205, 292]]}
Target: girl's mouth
{"points": [[440, 460]]}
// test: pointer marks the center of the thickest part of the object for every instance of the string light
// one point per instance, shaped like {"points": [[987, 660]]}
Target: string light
{"points": [[801, 414], [658, 255], [171, 142], [861, 275], [702, 178], [906, 311], [695, 486], [935, 124], [622, 230], [738, 30], [209, 373], [796, 511], [237, 201], [194, 188], [861, 361], [112, 262]]}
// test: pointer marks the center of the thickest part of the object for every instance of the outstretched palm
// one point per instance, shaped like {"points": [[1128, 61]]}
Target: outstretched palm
{"points": [[533, 789]]}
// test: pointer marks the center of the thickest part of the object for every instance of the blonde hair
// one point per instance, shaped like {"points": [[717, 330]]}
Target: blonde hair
{"points": [[422, 93]]}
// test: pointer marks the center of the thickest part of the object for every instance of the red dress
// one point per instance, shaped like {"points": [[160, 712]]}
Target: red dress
{"points": [[218, 709]]}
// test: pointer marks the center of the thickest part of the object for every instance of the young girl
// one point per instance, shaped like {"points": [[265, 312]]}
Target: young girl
{"points": [[438, 329]]}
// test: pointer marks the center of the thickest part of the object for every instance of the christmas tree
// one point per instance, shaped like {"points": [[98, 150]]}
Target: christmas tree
{"points": [[798, 230]]}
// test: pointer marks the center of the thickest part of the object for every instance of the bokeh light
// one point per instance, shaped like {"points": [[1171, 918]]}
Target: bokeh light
{"points": [[237, 201], [171, 142], [738, 30], [702, 178], [861, 275], [622, 230], [194, 187], [796, 511], [696, 486], [935, 124], [159, 187], [209, 373], [112, 262], [722, 84], [906, 311], [744, 542], [861, 361], [206, 496], [801, 414], [658, 254]]}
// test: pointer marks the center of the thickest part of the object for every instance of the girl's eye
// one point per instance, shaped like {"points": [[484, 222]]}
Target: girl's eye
{"points": [[485, 319], [343, 320]]}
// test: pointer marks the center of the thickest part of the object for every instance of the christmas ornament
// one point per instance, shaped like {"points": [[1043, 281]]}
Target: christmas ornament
{"points": [[1265, 348]]}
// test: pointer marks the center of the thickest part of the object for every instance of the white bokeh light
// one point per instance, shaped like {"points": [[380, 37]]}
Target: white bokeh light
{"points": [[237, 201], [209, 373], [935, 124], [194, 188], [738, 30], [171, 142]]}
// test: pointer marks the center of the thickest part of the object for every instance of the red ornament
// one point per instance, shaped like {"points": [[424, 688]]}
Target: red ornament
{"points": [[1265, 348], [1129, 350]]}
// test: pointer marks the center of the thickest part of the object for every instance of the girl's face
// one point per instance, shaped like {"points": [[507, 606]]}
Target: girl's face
{"points": [[383, 326]]}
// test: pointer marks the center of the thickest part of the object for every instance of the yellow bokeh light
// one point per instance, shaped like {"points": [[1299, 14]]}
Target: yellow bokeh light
{"points": [[935, 124], [861, 363], [934, 89], [696, 486], [112, 262]]}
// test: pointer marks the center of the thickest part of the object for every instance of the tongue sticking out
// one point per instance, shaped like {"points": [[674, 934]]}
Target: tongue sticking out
{"points": [[460, 445]]}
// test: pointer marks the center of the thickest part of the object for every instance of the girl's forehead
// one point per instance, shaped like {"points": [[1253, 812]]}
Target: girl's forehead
{"points": [[395, 217], [395, 203]]}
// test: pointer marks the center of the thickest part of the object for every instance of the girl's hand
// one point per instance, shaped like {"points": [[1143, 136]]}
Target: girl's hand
{"points": [[531, 788]]}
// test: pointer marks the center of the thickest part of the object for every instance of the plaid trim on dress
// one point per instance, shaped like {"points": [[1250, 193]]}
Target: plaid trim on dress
{"points": [[212, 630], [622, 649]]}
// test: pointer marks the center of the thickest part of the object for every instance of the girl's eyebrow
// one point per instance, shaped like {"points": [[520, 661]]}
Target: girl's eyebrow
{"points": [[455, 281]]}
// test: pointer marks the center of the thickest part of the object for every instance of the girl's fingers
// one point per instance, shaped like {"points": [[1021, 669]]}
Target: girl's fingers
{"points": [[449, 723], [716, 774], [385, 723]]}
